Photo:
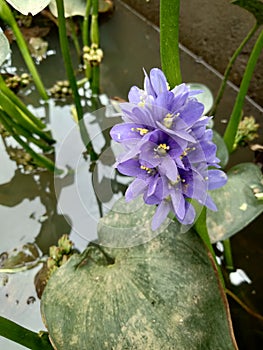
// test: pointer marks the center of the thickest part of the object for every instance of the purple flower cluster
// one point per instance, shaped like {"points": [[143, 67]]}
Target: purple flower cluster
{"points": [[168, 149]]}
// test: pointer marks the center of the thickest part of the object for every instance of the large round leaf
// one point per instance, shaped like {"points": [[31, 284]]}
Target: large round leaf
{"points": [[5, 48], [160, 295], [236, 202], [29, 6]]}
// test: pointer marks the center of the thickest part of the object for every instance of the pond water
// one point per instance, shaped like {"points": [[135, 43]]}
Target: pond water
{"points": [[35, 209]]}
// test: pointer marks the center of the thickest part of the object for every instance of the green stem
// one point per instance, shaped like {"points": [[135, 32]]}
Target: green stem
{"points": [[74, 36], [228, 255], [23, 336], [85, 28], [38, 158], [7, 16], [67, 59], [16, 114], [201, 229], [95, 80], [232, 127], [18, 103], [19, 130], [229, 67], [94, 30], [169, 41]]}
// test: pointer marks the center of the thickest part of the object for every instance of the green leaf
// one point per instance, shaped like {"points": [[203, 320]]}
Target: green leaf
{"points": [[206, 97], [253, 6], [222, 152], [28, 6], [5, 48], [160, 295], [23, 336], [236, 202], [71, 8]]}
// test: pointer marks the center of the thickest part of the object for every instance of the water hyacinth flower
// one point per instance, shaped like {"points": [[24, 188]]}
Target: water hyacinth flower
{"points": [[168, 149]]}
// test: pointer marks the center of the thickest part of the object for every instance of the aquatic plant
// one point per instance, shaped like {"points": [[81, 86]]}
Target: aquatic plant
{"points": [[148, 285]]}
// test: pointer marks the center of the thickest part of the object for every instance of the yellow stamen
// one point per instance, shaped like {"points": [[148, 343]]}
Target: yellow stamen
{"points": [[148, 170], [141, 131], [162, 149]]}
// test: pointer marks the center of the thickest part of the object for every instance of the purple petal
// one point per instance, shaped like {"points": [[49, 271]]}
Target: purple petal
{"points": [[135, 95], [136, 188], [216, 179], [158, 81], [168, 167], [160, 215], [189, 214], [126, 132], [178, 204]]}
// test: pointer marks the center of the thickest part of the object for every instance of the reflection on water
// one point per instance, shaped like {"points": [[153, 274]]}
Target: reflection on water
{"points": [[34, 209]]}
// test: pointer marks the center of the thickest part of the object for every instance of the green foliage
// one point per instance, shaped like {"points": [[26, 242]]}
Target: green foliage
{"points": [[253, 6], [160, 295], [237, 202], [222, 152], [23, 336]]}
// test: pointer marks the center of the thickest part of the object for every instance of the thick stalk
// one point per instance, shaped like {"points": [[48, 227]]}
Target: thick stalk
{"points": [[228, 255], [7, 16], [94, 30], [85, 28], [169, 41], [229, 67], [201, 229], [66, 57], [231, 130], [95, 39], [74, 36], [24, 336]]}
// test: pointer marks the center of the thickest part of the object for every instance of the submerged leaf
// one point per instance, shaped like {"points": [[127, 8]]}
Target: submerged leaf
{"points": [[20, 259], [236, 202], [29, 6], [5, 48], [253, 6], [159, 295]]}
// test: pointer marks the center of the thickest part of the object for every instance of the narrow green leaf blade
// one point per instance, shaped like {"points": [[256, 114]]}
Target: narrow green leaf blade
{"points": [[24, 336], [253, 6]]}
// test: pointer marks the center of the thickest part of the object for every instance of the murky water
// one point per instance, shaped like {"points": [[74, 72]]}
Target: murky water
{"points": [[31, 210]]}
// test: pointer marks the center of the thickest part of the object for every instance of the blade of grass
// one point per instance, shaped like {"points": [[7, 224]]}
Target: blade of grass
{"points": [[16, 114], [24, 336], [231, 130], [16, 101], [7, 16], [38, 158]]}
